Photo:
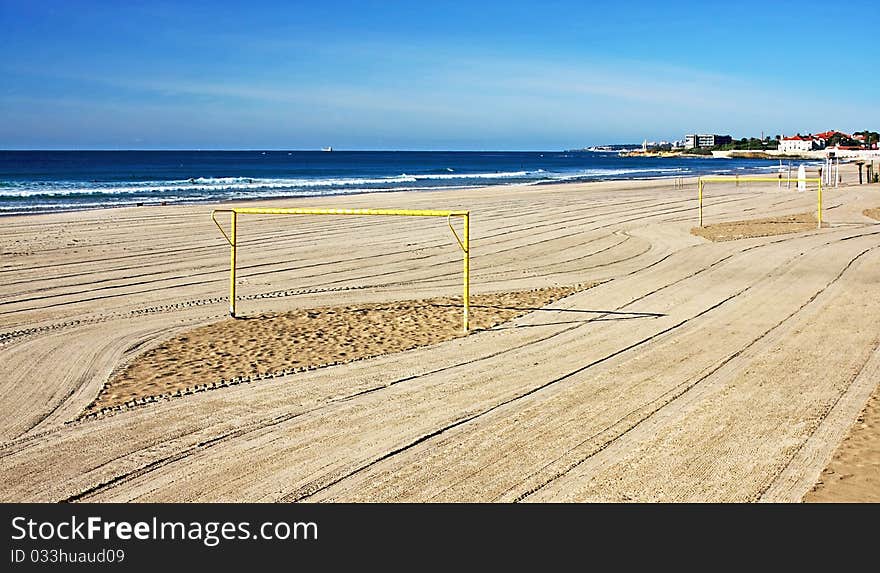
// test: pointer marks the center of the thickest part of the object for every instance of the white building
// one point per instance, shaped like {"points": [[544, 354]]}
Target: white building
{"points": [[798, 143]]}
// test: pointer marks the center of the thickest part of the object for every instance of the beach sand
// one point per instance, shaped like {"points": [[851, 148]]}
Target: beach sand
{"points": [[768, 227], [853, 475], [273, 344], [692, 370]]}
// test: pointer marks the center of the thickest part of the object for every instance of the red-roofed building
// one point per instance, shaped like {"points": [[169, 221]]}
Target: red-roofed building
{"points": [[796, 143], [826, 135]]}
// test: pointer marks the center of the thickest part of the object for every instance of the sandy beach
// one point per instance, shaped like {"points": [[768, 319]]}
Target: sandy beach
{"points": [[269, 345], [626, 358], [851, 476]]}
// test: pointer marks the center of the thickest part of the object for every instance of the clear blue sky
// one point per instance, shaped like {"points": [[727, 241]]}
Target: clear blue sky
{"points": [[505, 75]]}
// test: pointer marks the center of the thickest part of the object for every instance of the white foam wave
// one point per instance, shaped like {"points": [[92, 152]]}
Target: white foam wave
{"points": [[599, 173], [202, 185]]}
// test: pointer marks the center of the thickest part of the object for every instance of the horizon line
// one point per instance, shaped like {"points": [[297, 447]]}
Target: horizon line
{"points": [[322, 151]]}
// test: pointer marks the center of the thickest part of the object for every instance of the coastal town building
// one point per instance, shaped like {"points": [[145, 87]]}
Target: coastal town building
{"points": [[826, 136], [826, 140], [798, 143], [692, 141]]}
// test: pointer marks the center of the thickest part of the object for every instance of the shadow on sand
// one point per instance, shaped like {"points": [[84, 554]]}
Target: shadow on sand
{"points": [[603, 315]]}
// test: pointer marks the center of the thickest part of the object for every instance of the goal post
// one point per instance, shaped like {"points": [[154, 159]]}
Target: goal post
{"points": [[780, 180], [463, 240]]}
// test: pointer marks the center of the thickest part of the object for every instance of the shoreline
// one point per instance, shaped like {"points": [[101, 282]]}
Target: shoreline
{"points": [[249, 200], [358, 193], [553, 185]]}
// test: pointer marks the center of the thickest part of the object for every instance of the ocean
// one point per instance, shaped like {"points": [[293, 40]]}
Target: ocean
{"points": [[41, 181]]}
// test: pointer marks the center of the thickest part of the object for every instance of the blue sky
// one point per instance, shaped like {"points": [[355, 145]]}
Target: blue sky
{"points": [[428, 75]]}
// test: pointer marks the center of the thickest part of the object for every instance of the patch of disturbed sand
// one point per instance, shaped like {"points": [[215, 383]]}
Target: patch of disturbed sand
{"points": [[853, 474], [872, 213], [733, 230], [310, 338]]}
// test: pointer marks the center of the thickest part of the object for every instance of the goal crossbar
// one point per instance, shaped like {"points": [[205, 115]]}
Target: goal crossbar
{"points": [[737, 179], [463, 240]]}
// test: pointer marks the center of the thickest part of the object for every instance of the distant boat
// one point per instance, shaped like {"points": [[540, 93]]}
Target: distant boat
{"points": [[326, 149]]}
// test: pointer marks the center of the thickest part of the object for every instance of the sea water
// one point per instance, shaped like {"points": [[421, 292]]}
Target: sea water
{"points": [[39, 181]]}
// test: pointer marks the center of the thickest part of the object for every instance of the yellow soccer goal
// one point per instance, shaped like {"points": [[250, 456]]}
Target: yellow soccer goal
{"points": [[463, 241], [737, 180]]}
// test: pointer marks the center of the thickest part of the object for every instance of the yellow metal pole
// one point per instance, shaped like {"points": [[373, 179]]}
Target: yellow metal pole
{"points": [[701, 202], [467, 271], [407, 212], [232, 238], [820, 204], [232, 268]]}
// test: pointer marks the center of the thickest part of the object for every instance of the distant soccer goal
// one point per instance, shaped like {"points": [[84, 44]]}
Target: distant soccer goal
{"points": [[463, 240], [799, 183]]}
